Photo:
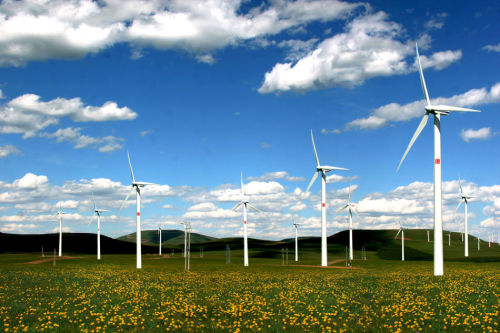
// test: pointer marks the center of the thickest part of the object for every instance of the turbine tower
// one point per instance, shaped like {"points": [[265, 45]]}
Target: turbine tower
{"points": [[350, 208], [245, 204], [436, 111], [402, 231], [296, 226], [60, 213], [323, 169], [98, 214], [159, 234], [465, 199], [137, 187]]}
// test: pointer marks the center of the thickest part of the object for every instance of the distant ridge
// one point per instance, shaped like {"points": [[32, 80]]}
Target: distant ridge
{"points": [[170, 238]]}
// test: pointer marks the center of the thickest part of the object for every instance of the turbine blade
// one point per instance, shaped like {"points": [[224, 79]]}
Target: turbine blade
{"points": [[130, 165], [242, 190], [237, 206], [397, 234], [422, 80], [420, 127], [460, 184], [312, 181], [342, 208], [126, 198], [349, 198], [95, 208], [314, 147], [250, 206], [459, 203], [446, 108]]}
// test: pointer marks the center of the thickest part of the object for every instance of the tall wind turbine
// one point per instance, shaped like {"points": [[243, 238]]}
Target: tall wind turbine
{"points": [[98, 214], [323, 169], [60, 213], [465, 199], [436, 111], [245, 204], [402, 231], [137, 187], [350, 208], [296, 226], [159, 234]]}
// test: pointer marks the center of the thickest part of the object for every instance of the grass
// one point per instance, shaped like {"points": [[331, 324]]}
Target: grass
{"points": [[83, 295]]}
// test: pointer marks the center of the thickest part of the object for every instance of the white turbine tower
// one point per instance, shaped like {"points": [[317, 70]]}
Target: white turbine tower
{"points": [[402, 231], [60, 213], [350, 208], [436, 111], [98, 214], [136, 186], [245, 204], [465, 199], [323, 169], [296, 226], [159, 234]]}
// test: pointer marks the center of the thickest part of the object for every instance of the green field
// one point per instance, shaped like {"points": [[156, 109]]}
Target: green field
{"points": [[381, 294]]}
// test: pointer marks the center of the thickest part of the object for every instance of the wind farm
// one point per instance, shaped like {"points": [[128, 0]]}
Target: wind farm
{"points": [[217, 104]]}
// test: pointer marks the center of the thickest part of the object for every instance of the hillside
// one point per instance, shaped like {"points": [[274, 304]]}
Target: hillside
{"points": [[169, 238]]}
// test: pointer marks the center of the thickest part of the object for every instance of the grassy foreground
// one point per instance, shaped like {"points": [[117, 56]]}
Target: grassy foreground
{"points": [[83, 295]]}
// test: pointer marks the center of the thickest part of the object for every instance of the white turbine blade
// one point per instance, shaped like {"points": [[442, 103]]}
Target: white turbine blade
{"points": [[130, 165], [397, 234], [460, 184], [237, 206], [329, 167], [143, 183], [242, 190], [446, 108], [314, 147], [422, 80], [342, 208], [458, 206], [95, 208], [250, 206], [349, 197], [125, 200], [312, 181], [420, 127]]}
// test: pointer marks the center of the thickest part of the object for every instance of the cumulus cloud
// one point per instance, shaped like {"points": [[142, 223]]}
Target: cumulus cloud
{"points": [[394, 112], [334, 178], [9, 150], [73, 135], [27, 114], [277, 175], [491, 48], [57, 29], [436, 21], [371, 46], [479, 134]]}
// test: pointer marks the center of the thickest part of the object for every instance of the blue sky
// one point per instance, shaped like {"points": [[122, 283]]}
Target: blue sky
{"points": [[200, 91]]}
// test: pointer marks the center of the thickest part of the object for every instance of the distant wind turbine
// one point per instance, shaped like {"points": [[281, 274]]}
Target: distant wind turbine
{"points": [[60, 213], [245, 204], [323, 169], [137, 187], [350, 208], [296, 226], [98, 212], [159, 234], [436, 111], [465, 199], [402, 231]]}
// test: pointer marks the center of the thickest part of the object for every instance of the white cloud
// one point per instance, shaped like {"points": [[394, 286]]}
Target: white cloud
{"points": [[491, 48], [105, 144], [9, 150], [394, 112], [436, 21], [369, 47], [277, 175], [333, 131], [27, 115], [479, 134], [17, 227], [334, 178], [30, 181], [38, 30]]}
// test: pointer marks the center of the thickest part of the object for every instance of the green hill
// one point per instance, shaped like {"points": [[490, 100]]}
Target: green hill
{"points": [[169, 238]]}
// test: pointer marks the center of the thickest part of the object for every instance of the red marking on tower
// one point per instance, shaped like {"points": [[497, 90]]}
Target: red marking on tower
{"points": [[323, 204], [244, 222], [437, 161], [138, 213], [350, 228]]}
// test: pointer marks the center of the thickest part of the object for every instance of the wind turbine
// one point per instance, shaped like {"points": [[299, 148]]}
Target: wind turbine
{"points": [[465, 200], [402, 231], [159, 233], [296, 226], [245, 204], [436, 111], [98, 214], [60, 213], [350, 208], [137, 187], [323, 169]]}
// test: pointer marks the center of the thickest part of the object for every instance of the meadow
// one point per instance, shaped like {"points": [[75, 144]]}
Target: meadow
{"points": [[83, 295]]}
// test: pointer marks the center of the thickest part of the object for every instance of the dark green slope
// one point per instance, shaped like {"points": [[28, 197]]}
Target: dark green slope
{"points": [[169, 238]]}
